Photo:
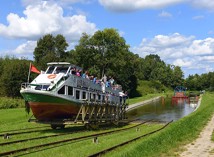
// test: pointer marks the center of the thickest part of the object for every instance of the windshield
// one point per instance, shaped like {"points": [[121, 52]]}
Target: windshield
{"points": [[61, 70], [50, 70]]}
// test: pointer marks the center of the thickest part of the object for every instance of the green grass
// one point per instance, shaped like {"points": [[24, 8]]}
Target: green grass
{"points": [[167, 142], [17, 119]]}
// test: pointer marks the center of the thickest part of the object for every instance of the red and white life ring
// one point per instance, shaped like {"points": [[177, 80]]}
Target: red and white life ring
{"points": [[51, 76]]}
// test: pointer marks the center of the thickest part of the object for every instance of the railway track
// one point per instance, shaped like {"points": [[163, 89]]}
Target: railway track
{"points": [[61, 141], [14, 130], [37, 138], [127, 142], [24, 131]]}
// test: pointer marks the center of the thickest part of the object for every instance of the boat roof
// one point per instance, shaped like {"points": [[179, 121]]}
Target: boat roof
{"points": [[63, 64], [58, 63]]}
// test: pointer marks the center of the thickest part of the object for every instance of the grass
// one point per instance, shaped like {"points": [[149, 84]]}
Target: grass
{"points": [[17, 119], [167, 142]]}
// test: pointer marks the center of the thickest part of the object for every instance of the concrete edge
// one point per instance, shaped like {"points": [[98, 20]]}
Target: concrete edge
{"points": [[136, 105]]}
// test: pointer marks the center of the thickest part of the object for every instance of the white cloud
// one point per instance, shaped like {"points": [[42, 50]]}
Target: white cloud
{"points": [[176, 49], [203, 4], [25, 48], [130, 5], [182, 62], [165, 14], [164, 41], [43, 18], [207, 58], [201, 47], [60, 2]]}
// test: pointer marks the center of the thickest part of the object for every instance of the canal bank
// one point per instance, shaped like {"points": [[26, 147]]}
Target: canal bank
{"points": [[162, 108], [170, 141], [136, 105]]}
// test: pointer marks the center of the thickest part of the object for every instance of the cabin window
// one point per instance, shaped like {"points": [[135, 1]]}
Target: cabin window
{"points": [[70, 90], [62, 90], [84, 95], [94, 95], [99, 96], [77, 94], [61, 70], [50, 70]]}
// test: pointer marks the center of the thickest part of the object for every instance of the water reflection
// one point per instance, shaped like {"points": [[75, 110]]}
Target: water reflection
{"points": [[163, 110]]}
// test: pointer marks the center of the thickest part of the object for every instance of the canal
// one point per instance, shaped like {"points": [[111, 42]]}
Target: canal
{"points": [[163, 109]]}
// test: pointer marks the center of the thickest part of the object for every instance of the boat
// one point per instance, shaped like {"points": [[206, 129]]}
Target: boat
{"points": [[57, 93], [180, 92]]}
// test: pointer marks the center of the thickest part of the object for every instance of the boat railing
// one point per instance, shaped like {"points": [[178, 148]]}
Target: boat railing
{"points": [[34, 86], [27, 85]]}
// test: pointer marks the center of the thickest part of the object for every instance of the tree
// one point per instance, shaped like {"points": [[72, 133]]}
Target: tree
{"points": [[107, 53], [60, 46], [13, 72], [50, 49]]}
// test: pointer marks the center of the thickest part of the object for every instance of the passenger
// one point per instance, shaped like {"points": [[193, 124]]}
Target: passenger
{"points": [[87, 75], [104, 79], [121, 94], [91, 77], [103, 86], [98, 82], [94, 79], [107, 84], [125, 97], [111, 80], [84, 75], [73, 71], [78, 73]]}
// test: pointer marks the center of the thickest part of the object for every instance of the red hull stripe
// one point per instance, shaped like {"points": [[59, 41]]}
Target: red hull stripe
{"points": [[48, 111]]}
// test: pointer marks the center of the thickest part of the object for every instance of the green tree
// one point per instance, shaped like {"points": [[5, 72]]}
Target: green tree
{"points": [[177, 77], [107, 53], [13, 72], [50, 49]]}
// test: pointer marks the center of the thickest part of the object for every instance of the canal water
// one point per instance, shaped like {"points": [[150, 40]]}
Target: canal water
{"points": [[164, 109]]}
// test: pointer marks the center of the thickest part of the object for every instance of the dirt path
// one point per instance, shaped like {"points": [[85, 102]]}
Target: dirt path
{"points": [[203, 145]]}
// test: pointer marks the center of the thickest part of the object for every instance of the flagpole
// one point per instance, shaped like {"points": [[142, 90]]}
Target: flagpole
{"points": [[28, 79]]}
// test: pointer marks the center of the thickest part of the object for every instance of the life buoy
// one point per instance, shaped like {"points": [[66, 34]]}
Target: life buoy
{"points": [[51, 76]]}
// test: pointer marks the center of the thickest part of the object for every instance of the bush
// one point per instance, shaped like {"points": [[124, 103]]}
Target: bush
{"points": [[150, 87], [6, 103]]}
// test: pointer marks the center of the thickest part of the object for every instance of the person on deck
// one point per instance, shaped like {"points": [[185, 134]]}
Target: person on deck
{"points": [[111, 80], [94, 79], [121, 94], [125, 96]]}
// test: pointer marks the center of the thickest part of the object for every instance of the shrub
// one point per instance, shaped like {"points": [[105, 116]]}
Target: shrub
{"points": [[6, 103]]}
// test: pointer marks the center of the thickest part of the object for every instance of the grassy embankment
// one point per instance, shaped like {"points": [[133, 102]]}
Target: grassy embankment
{"points": [[148, 90], [167, 142]]}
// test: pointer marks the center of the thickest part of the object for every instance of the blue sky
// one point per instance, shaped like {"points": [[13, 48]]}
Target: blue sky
{"points": [[179, 31]]}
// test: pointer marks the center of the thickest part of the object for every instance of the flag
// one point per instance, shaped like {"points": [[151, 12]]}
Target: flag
{"points": [[34, 69]]}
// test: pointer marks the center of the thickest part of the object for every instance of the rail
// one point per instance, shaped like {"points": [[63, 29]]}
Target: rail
{"points": [[127, 142], [69, 140]]}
